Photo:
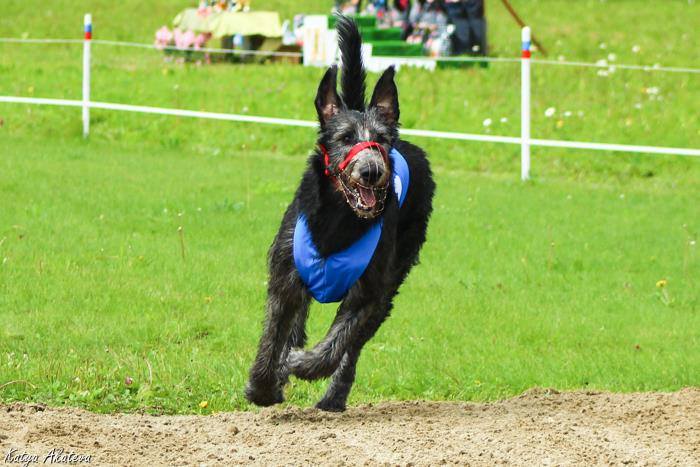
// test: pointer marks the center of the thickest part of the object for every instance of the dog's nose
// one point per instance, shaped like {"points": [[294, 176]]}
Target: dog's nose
{"points": [[371, 172]]}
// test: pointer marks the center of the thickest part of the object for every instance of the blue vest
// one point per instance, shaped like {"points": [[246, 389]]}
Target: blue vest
{"points": [[329, 279]]}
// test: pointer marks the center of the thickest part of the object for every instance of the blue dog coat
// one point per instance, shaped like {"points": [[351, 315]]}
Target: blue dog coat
{"points": [[329, 279]]}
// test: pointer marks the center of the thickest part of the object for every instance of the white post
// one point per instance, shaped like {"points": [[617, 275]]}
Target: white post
{"points": [[86, 74], [525, 106]]}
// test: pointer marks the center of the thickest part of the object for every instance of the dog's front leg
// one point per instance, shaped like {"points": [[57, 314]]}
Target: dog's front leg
{"points": [[297, 338], [323, 359], [336, 395], [265, 385]]}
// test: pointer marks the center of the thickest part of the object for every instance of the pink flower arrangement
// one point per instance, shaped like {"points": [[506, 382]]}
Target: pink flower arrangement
{"points": [[164, 37], [201, 39], [183, 40]]}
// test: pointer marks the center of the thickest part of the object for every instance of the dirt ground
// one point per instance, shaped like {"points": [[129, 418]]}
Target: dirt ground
{"points": [[540, 427]]}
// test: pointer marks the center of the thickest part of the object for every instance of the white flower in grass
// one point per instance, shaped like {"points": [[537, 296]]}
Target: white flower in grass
{"points": [[602, 62], [567, 113], [636, 49], [612, 57], [561, 58], [487, 122], [550, 112], [638, 105], [603, 46], [504, 120], [603, 73]]}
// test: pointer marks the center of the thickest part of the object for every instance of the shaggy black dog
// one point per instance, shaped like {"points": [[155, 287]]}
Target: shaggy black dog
{"points": [[349, 191]]}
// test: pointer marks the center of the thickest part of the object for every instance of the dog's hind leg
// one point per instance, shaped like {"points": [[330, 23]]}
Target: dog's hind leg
{"points": [[336, 395], [325, 357], [283, 308], [343, 378]]}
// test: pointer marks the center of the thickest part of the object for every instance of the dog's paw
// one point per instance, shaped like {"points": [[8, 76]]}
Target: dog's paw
{"points": [[297, 362], [263, 396], [305, 364], [331, 405]]}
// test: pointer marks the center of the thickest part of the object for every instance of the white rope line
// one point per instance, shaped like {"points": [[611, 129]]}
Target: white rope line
{"points": [[615, 147], [621, 66], [203, 49], [459, 59], [17, 40], [152, 46], [609, 65], [312, 124], [461, 136]]}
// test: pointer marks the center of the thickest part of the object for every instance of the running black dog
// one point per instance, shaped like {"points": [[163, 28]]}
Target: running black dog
{"points": [[352, 233]]}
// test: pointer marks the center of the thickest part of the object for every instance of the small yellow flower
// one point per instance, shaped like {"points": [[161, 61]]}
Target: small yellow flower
{"points": [[661, 283], [208, 299], [204, 404]]}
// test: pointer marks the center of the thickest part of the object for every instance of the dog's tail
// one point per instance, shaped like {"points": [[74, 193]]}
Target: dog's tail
{"points": [[352, 81]]}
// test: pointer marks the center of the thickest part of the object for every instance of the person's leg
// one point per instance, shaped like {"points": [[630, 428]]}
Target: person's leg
{"points": [[461, 35], [477, 26]]}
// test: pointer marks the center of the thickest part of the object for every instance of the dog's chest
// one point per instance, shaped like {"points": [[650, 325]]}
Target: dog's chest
{"points": [[330, 278]]}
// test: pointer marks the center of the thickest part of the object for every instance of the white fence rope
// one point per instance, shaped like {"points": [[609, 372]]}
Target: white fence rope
{"points": [[621, 66], [202, 49], [607, 65], [152, 46], [525, 141], [312, 124]]}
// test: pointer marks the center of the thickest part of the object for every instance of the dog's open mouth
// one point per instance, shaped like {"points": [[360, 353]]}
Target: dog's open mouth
{"points": [[366, 201]]}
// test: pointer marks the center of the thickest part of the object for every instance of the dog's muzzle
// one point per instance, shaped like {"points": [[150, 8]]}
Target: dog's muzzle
{"points": [[363, 180]]}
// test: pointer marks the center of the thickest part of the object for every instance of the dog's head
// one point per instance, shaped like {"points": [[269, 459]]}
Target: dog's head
{"points": [[360, 170]]}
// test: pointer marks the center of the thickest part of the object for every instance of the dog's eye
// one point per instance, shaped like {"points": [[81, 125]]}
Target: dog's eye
{"points": [[347, 139]]}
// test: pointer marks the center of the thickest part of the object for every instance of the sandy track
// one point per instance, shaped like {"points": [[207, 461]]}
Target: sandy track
{"points": [[540, 427]]}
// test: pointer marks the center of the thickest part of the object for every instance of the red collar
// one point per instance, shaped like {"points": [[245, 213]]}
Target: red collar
{"points": [[352, 153]]}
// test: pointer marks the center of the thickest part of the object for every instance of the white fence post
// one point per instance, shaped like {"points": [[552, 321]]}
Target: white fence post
{"points": [[525, 106], [86, 74]]}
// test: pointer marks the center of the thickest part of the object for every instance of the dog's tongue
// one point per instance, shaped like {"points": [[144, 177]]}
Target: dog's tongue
{"points": [[367, 195]]}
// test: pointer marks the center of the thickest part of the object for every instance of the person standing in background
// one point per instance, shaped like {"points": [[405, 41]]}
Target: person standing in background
{"points": [[467, 16]]}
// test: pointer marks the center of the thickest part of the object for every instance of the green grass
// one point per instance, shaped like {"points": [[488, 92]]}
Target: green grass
{"points": [[547, 283]]}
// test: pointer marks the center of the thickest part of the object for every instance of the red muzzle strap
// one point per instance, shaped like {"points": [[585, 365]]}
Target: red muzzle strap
{"points": [[355, 150]]}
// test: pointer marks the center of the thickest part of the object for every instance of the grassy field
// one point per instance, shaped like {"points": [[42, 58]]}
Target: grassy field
{"points": [[548, 283]]}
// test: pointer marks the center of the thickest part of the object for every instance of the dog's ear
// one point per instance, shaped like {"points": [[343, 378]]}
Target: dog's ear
{"points": [[386, 97], [328, 101]]}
